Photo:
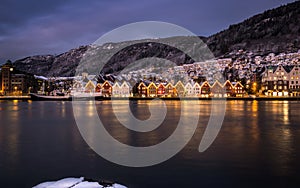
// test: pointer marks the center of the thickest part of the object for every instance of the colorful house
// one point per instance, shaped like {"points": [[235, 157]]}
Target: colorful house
{"points": [[239, 90], [106, 89], [152, 90], [197, 90], [228, 89], [89, 87], [170, 91], [276, 81], [142, 90], [294, 82], [125, 89], [189, 90], [205, 89], [161, 90], [217, 89], [98, 88], [77, 86], [116, 90], [180, 89]]}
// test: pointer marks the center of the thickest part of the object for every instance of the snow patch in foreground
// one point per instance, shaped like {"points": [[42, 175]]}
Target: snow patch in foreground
{"points": [[75, 183]]}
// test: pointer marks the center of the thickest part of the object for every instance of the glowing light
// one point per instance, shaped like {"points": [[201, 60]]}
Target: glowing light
{"points": [[285, 110]]}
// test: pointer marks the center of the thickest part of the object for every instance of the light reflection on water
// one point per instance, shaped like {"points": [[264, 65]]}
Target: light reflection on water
{"points": [[258, 139]]}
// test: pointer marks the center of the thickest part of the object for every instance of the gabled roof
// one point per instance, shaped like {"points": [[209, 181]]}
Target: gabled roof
{"points": [[125, 84], [238, 83], [152, 84], [206, 82], [196, 85], [142, 83], [90, 83], [169, 84], [188, 84], [284, 68], [296, 66], [161, 84], [116, 84], [288, 68], [179, 82], [106, 81], [227, 82], [217, 83]]}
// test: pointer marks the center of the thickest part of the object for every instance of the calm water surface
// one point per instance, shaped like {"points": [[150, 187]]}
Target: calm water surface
{"points": [[258, 145]]}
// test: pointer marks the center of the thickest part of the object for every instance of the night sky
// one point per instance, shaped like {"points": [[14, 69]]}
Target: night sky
{"points": [[36, 27]]}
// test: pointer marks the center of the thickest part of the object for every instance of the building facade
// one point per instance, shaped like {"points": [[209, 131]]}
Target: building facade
{"points": [[281, 81], [13, 82]]}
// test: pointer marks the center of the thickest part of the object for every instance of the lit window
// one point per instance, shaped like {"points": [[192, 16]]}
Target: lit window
{"points": [[275, 77]]}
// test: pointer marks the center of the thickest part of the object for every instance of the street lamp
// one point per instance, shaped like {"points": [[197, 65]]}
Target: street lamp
{"points": [[254, 86], [15, 88]]}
